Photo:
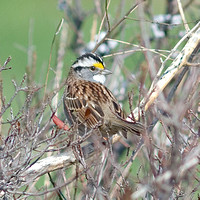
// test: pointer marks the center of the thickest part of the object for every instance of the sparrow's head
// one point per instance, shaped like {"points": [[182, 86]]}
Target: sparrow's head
{"points": [[90, 67]]}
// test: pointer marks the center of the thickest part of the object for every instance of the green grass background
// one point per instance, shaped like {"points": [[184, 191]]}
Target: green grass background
{"points": [[17, 19]]}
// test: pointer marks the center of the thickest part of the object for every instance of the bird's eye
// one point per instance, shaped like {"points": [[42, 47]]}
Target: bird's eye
{"points": [[92, 68]]}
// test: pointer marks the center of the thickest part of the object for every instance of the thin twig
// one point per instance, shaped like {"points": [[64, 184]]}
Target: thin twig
{"points": [[106, 12], [116, 25], [126, 170], [183, 15], [50, 56], [4, 67], [140, 48]]}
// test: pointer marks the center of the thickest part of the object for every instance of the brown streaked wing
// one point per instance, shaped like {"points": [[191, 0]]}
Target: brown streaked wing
{"points": [[113, 101], [91, 116], [91, 112], [73, 103]]}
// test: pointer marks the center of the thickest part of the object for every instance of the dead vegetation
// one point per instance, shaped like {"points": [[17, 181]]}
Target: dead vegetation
{"points": [[41, 161]]}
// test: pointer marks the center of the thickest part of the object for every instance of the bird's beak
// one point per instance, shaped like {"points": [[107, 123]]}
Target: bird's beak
{"points": [[106, 72]]}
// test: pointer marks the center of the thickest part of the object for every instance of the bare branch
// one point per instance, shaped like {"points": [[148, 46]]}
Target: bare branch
{"points": [[183, 15], [4, 67], [116, 25], [179, 62]]}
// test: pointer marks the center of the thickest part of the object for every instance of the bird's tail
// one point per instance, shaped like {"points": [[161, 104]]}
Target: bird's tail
{"points": [[133, 127]]}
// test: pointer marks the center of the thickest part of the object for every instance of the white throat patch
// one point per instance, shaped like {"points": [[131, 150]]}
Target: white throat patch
{"points": [[99, 78]]}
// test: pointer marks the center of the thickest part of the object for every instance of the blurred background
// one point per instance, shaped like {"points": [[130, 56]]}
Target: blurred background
{"points": [[27, 30], [30, 33]]}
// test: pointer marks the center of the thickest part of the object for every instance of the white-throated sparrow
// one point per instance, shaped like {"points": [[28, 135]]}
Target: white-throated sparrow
{"points": [[90, 104]]}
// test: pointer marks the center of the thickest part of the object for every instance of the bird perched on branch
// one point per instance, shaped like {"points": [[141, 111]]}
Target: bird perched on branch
{"points": [[89, 104]]}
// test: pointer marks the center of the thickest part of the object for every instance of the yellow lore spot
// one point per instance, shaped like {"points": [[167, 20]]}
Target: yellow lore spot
{"points": [[98, 65]]}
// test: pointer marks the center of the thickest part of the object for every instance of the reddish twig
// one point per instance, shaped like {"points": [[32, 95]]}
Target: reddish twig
{"points": [[59, 123]]}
